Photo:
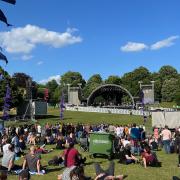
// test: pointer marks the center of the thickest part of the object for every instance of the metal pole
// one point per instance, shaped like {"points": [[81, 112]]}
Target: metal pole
{"points": [[68, 93], [153, 90]]}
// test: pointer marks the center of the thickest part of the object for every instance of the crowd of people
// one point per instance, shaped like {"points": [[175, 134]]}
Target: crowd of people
{"points": [[131, 143]]}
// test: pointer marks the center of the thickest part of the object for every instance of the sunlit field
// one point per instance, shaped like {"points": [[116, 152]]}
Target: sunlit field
{"points": [[134, 171]]}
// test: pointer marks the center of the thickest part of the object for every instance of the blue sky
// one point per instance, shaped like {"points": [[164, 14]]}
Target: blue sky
{"points": [[109, 37]]}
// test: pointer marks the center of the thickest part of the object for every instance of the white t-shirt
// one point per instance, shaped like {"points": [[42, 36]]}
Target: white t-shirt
{"points": [[118, 131], [39, 129], [6, 148], [125, 142], [166, 134]]}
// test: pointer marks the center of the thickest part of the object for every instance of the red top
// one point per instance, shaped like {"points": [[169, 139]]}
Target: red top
{"points": [[149, 157], [71, 157]]}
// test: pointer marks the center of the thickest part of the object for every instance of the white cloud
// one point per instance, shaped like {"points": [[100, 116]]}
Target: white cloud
{"points": [[26, 57], [25, 39], [56, 77], [40, 63], [164, 43], [133, 47]]}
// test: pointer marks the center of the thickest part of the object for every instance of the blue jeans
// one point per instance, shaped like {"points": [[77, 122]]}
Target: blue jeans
{"points": [[129, 161], [166, 144]]}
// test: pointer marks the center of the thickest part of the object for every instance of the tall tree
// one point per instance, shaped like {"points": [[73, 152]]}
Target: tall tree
{"points": [[93, 82], [130, 80], [113, 80], [72, 78], [56, 96], [157, 86], [21, 79], [169, 89], [167, 72], [51, 86], [16, 93], [177, 98]]}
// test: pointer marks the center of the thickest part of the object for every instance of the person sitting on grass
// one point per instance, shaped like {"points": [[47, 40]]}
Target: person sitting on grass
{"points": [[32, 139], [6, 144], [60, 144], [8, 159], [129, 157], [71, 139], [24, 175], [32, 162], [22, 143], [149, 158], [72, 157]]}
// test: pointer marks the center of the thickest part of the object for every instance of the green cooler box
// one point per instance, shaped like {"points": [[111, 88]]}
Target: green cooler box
{"points": [[102, 143]]}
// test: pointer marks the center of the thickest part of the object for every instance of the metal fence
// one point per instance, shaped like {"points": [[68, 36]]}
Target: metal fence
{"points": [[109, 110]]}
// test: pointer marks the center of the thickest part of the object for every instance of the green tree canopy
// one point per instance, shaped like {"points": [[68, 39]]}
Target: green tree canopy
{"points": [[16, 93], [177, 98], [56, 95], [51, 86], [169, 89], [167, 72], [93, 82], [20, 79], [113, 80], [72, 78], [130, 80]]}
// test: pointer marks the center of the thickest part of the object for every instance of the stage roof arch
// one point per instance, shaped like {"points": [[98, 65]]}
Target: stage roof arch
{"points": [[108, 87]]}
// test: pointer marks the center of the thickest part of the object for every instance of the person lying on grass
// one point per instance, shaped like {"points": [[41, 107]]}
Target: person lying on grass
{"points": [[73, 173], [107, 174], [42, 150]]}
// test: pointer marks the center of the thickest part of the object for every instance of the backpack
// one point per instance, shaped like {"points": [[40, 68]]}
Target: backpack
{"points": [[55, 161]]}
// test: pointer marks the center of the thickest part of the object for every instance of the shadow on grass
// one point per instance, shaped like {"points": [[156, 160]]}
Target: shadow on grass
{"points": [[14, 118], [175, 178], [92, 162], [48, 170]]}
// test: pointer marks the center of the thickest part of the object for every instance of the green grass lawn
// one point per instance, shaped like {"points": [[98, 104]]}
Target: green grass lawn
{"points": [[87, 118], [169, 162]]}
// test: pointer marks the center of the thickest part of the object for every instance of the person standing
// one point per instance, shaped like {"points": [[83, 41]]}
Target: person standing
{"points": [[166, 138]]}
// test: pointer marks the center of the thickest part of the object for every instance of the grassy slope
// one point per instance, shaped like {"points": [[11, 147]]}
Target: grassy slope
{"points": [[165, 172]]}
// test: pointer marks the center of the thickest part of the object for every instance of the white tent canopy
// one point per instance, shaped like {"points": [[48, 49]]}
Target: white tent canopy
{"points": [[171, 119]]}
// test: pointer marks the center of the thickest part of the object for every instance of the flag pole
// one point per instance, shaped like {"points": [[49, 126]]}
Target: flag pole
{"points": [[62, 106]]}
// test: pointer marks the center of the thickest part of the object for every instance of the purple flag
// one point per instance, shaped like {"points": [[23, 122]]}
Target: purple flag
{"points": [[1, 76], [62, 106], [3, 57], [7, 102], [3, 18], [10, 1]]}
